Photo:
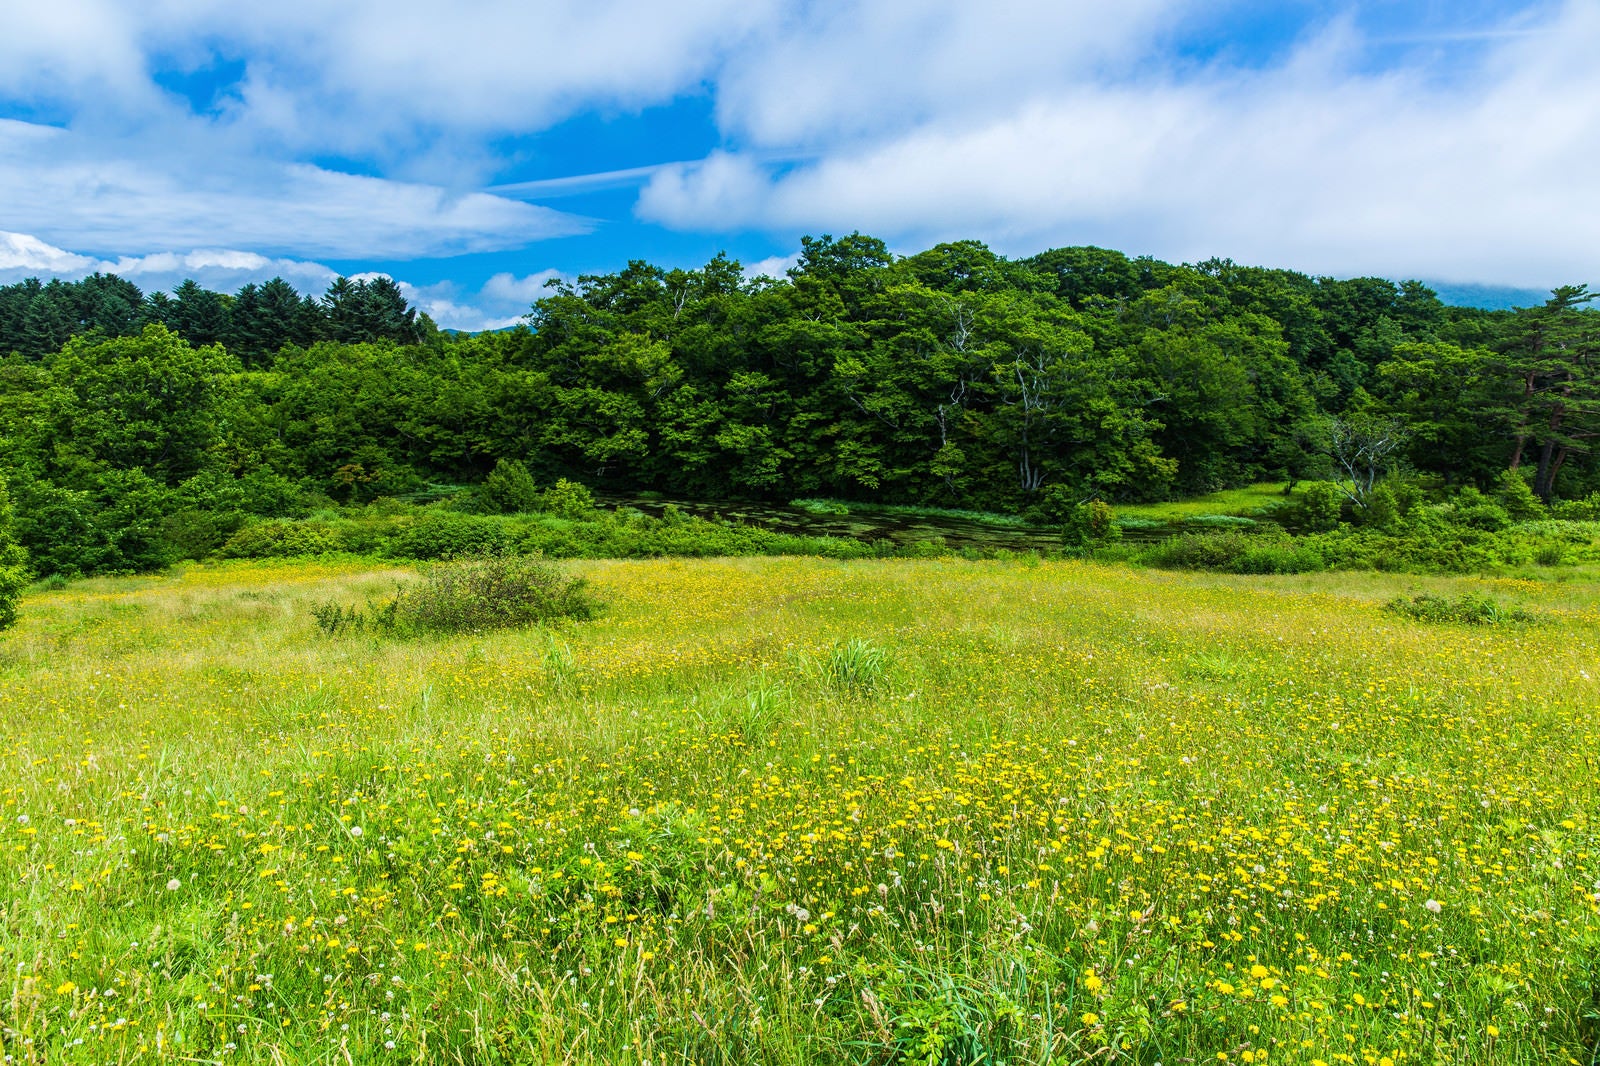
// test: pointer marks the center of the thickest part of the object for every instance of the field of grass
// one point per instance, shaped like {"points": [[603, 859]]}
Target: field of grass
{"points": [[804, 811]]}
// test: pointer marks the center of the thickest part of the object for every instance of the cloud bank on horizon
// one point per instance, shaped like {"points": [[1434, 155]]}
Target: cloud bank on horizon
{"points": [[479, 151]]}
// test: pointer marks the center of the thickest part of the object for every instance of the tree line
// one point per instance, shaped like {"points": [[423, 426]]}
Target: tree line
{"points": [[954, 376]]}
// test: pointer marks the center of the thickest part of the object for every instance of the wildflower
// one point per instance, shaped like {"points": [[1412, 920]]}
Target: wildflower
{"points": [[1433, 905], [1091, 1018], [174, 884]]}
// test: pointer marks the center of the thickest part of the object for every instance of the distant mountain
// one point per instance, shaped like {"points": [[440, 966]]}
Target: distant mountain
{"points": [[1488, 297]]}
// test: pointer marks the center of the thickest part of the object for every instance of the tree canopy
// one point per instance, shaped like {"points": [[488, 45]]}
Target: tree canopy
{"points": [[954, 376]]}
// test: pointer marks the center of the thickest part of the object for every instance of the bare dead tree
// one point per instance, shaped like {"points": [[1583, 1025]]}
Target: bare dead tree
{"points": [[1363, 449]]}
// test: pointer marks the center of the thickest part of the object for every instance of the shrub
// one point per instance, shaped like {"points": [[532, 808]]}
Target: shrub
{"points": [[508, 489], [1382, 510], [278, 539], [1319, 508], [1474, 509], [468, 596], [192, 534], [1516, 496], [1234, 553], [568, 499], [497, 592], [1467, 610], [1584, 510], [443, 535], [1052, 505], [1090, 525]]}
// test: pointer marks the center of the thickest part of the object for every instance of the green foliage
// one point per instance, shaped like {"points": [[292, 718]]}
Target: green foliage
{"points": [[280, 539], [1319, 508], [855, 667], [1382, 510], [1477, 511], [509, 489], [1513, 493], [1090, 525], [567, 499], [196, 534], [1584, 510], [1468, 609], [470, 595], [440, 535], [953, 381], [1234, 553], [13, 563]]}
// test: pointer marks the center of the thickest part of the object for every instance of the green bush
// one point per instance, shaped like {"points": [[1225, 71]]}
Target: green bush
{"points": [[1513, 493], [1234, 553], [1382, 510], [111, 524], [441, 535], [281, 539], [567, 499], [1090, 525], [468, 596], [1584, 510], [1467, 610], [509, 489], [1318, 510], [192, 534], [1472, 508]]}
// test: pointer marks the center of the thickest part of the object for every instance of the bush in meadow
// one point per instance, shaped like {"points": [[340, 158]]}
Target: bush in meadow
{"points": [[469, 595]]}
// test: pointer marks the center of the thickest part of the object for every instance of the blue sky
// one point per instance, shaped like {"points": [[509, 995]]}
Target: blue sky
{"points": [[473, 151]]}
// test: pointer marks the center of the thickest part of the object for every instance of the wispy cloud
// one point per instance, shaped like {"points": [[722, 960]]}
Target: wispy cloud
{"points": [[55, 185]]}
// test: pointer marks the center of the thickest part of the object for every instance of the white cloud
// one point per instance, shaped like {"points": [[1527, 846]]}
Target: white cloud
{"points": [[23, 255], [54, 184], [501, 302], [442, 303], [1483, 177], [854, 67], [775, 267], [510, 289], [382, 79]]}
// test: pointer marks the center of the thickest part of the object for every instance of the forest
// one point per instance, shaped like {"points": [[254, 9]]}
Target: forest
{"points": [[136, 429]]}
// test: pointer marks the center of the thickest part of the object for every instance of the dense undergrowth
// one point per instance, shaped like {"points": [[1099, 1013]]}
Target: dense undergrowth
{"points": [[1429, 538]]}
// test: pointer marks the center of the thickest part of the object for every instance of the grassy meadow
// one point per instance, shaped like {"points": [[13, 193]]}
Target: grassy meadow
{"points": [[784, 810]]}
